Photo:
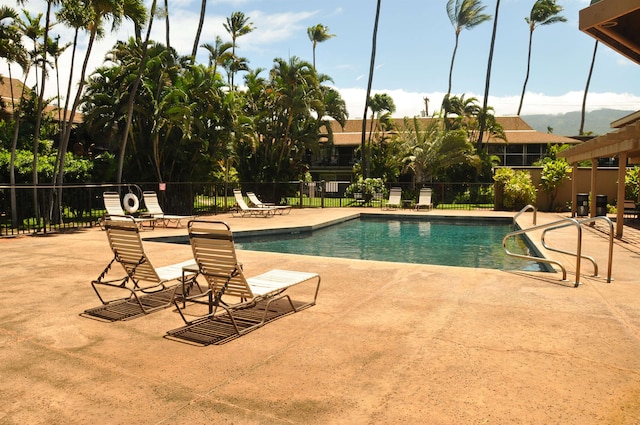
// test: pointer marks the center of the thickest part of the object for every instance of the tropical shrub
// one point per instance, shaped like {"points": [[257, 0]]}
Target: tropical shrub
{"points": [[368, 187], [518, 189], [631, 182]]}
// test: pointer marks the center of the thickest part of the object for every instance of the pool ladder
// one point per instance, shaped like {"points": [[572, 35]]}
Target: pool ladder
{"points": [[560, 224]]}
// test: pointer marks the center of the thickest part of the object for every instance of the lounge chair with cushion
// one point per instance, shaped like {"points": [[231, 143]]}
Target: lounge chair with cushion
{"points": [[395, 199], [242, 209], [154, 210], [143, 287], [424, 199], [114, 209], [230, 294], [256, 202]]}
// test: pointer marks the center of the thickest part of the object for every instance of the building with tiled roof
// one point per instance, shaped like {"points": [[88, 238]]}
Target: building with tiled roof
{"points": [[523, 147], [11, 86]]}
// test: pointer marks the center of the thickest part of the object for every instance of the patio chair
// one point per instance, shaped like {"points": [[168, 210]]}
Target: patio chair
{"points": [[144, 285], [154, 210], [242, 209], [229, 289], [114, 209], [395, 199], [256, 202], [424, 199]]}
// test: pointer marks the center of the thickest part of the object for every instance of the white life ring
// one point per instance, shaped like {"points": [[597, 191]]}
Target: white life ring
{"points": [[131, 202]]}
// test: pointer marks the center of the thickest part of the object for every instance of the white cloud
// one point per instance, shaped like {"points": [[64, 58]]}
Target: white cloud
{"points": [[412, 103]]}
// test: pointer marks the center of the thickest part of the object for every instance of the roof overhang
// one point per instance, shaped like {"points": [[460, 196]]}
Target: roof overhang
{"points": [[614, 23], [624, 140]]}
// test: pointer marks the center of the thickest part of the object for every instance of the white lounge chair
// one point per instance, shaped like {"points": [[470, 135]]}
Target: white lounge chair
{"points": [[395, 199], [242, 209], [255, 201], [114, 209], [154, 210], [143, 285], [229, 290], [424, 199]]}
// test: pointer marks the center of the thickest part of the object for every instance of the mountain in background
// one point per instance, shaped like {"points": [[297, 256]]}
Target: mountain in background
{"points": [[597, 122]]}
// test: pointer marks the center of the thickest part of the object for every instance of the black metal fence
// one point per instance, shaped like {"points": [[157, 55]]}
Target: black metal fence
{"points": [[74, 206]]}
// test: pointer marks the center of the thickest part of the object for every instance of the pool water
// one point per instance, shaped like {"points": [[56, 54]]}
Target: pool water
{"points": [[449, 243]]}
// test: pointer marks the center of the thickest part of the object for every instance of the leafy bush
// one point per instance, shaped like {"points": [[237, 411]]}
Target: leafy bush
{"points": [[518, 188], [368, 187]]}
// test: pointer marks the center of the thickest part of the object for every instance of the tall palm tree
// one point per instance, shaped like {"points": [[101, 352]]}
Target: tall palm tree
{"points": [[318, 34], [487, 83], [12, 50], [101, 10], [218, 52], [463, 14], [381, 106], [237, 25], [134, 90], [372, 65], [543, 12]]}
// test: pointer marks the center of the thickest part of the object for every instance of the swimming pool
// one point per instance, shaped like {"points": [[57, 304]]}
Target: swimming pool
{"points": [[442, 242]]}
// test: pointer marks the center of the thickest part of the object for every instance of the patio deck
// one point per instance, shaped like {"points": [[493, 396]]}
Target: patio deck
{"points": [[386, 342]]}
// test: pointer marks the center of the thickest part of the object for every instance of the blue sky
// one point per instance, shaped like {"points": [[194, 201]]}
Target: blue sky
{"points": [[415, 43]]}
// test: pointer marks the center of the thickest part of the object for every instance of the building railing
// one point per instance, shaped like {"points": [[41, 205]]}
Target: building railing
{"points": [[81, 205]]}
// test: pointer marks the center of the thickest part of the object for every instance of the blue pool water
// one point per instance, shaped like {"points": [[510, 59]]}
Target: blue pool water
{"points": [[450, 243]]}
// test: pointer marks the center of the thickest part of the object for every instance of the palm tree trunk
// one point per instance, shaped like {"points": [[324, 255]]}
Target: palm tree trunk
{"points": [[453, 58], [40, 107], [166, 22], [365, 167], [203, 9], [586, 90], [526, 78], [132, 94], [487, 83]]}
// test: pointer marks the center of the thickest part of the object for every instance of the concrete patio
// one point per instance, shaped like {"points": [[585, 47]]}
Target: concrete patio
{"points": [[386, 343]]}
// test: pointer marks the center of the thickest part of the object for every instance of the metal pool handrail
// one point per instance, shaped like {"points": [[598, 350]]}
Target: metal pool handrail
{"points": [[525, 209], [539, 259], [593, 261]]}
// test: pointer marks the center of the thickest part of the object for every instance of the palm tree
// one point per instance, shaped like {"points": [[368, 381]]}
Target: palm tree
{"points": [[372, 64], [13, 51], [75, 14], [463, 14], [101, 10], [485, 102], [318, 34], [543, 12], [237, 25], [218, 52]]}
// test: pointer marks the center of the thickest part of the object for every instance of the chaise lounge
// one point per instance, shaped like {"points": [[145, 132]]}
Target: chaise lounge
{"points": [[145, 287], [242, 209], [424, 199], [114, 209], [255, 201], [230, 295], [154, 210]]}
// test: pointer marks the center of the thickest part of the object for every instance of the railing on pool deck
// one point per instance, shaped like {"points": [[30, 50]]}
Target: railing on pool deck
{"points": [[525, 209], [559, 224]]}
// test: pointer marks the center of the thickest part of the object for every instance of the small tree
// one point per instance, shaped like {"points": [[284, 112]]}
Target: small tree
{"points": [[631, 183], [518, 189], [554, 171]]}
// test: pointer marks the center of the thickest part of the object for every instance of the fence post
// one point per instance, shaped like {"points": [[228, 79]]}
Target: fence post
{"points": [[322, 188], [301, 192]]}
